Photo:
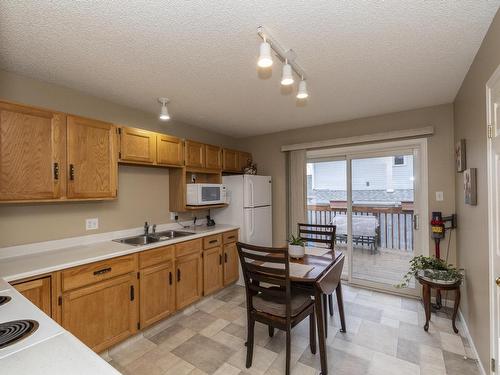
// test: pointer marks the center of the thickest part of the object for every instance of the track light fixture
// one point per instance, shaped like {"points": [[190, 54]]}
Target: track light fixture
{"points": [[287, 57], [164, 115]]}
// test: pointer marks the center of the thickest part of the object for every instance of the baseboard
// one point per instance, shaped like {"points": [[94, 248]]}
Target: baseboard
{"points": [[473, 346]]}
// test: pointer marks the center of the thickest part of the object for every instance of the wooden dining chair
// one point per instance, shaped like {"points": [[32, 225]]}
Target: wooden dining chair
{"points": [[270, 298], [324, 235]]}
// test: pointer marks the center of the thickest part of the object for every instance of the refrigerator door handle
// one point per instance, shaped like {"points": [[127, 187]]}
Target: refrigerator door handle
{"points": [[252, 224], [250, 184]]}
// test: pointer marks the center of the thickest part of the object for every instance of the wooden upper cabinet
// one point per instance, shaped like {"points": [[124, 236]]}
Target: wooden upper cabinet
{"points": [[213, 157], [39, 292], [32, 153], [244, 158], [92, 165], [230, 160], [137, 145], [170, 150], [195, 154]]}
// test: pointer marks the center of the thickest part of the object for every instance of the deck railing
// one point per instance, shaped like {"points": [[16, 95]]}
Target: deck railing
{"points": [[395, 224]]}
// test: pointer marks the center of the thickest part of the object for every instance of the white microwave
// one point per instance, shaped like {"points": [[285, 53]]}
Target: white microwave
{"points": [[202, 194]]}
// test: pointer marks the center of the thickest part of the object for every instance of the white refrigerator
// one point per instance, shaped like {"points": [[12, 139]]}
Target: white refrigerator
{"points": [[250, 208]]}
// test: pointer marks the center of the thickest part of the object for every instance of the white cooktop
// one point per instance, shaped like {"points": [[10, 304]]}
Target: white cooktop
{"points": [[19, 308]]}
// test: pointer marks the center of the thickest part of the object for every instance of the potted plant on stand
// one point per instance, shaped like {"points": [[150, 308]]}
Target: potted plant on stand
{"points": [[432, 269], [296, 247]]}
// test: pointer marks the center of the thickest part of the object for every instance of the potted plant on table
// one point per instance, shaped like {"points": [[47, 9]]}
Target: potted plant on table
{"points": [[296, 247], [432, 269]]}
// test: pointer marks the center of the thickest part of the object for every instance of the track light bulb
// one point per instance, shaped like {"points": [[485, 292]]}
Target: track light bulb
{"points": [[265, 59], [164, 115], [286, 75], [302, 91]]}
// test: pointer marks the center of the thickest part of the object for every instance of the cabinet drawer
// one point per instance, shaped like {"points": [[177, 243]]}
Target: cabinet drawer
{"points": [[156, 256], [188, 247], [91, 273], [229, 237], [212, 241]]}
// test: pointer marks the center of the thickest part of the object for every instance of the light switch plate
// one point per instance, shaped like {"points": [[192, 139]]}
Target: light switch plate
{"points": [[173, 215], [92, 224], [439, 196]]}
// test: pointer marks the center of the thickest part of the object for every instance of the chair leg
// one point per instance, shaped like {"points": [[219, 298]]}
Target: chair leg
{"points": [[325, 315], [271, 330], [288, 350], [330, 304], [312, 332], [250, 337]]}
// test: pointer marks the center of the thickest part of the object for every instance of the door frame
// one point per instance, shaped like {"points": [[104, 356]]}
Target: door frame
{"points": [[491, 223], [419, 145]]}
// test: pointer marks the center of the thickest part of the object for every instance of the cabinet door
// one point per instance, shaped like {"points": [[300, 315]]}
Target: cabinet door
{"points": [[32, 153], [244, 158], [189, 279], [213, 157], [102, 314], [137, 145], [212, 270], [230, 160], [170, 150], [92, 166], [194, 154], [231, 267], [38, 292], [157, 293]]}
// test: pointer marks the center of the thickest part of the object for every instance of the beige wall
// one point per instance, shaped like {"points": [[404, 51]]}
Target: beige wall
{"points": [[143, 191], [472, 233], [271, 161]]}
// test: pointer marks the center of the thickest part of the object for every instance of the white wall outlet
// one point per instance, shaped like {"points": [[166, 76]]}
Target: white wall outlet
{"points": [[92, 224], [439, 196], [173, 215]]}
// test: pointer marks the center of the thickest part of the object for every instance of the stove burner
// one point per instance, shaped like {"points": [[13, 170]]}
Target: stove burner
{"points": [[4, 300], [13, 331]]}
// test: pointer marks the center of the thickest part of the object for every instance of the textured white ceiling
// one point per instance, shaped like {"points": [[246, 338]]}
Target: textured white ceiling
{"points": [[362, 57]]}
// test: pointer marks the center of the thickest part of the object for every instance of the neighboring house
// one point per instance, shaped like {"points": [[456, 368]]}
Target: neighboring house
{"points": [[383, 180]]}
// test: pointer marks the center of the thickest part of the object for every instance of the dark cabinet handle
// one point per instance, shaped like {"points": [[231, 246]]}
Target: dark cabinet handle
{"points": [[56, 171], [213, 241], [225, 257], [230, 238], [220, 259], [170, 278], [178, 274], [132, 293], [102, 272], [71, 172]]}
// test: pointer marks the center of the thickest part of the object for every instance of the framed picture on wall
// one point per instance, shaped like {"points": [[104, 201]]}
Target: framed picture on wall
{"points": [[460, 160], [470, 186]]}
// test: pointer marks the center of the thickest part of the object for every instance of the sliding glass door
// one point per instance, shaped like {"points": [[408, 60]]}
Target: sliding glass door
{"points": [[373, 195]]}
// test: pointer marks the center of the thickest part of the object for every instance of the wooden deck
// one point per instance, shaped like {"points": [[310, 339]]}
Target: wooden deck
{"points": [[385, 266]]}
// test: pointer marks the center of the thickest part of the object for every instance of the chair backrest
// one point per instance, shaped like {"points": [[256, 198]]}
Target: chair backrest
{"points": [[318, 233], [268, 265]]}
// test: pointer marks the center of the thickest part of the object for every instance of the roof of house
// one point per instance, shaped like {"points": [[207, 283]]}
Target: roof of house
{"points": [[325, 196]]}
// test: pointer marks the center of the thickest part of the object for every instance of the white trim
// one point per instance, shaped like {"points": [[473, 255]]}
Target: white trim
{"points": [[491, 218], [375, 137], [472, 345]]}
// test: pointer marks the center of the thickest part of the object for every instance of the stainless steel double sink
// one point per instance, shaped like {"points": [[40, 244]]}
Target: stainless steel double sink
{"points": [[145, 239]]}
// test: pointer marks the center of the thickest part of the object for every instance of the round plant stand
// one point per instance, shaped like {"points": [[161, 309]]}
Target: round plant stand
{"points": [[427, 286]]}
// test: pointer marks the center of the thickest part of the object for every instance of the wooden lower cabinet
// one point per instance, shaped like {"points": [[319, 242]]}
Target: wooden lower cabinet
{"points": [[189, 273], [157, 293], [102, 314], [212, 270], [38, 291], [231, 261]]}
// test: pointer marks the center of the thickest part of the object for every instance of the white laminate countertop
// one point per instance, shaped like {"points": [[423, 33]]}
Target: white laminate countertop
{"points": [[61, 355], [48, 257]]}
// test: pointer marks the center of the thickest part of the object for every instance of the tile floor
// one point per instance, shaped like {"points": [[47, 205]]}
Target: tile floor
{"points": [[385, 336]]}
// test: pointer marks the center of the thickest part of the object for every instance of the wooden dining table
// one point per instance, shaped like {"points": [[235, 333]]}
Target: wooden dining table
{"points": [[323, 279]]}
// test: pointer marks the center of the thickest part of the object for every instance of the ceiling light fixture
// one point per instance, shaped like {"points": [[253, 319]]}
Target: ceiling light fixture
{"points": [[287, 57], [302, 91], [286, 74], [265, 59], [164, 116]]}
